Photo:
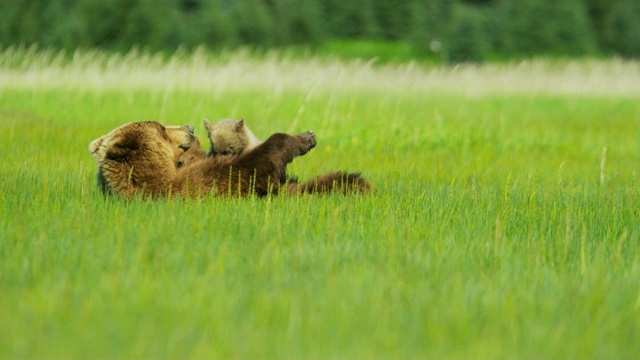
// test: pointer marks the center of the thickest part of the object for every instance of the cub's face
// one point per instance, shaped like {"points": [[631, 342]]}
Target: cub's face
{"points": [[145, 138], [228, 137], [195, 152]]}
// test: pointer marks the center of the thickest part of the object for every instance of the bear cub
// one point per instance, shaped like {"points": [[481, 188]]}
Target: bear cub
{"points": [[230, 137]]}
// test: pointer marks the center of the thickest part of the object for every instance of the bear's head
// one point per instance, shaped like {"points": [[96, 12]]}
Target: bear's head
{"points": [[133, 137], [140, 156]]}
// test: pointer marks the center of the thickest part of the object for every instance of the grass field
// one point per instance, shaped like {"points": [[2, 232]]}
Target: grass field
{"points": [[505, 221]]}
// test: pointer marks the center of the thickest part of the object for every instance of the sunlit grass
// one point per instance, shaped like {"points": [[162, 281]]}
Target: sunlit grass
{"points": [[500, 226], [278, 72]]}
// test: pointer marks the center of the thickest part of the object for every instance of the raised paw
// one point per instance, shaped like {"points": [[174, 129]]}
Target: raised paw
{"points": [[308, 139]]}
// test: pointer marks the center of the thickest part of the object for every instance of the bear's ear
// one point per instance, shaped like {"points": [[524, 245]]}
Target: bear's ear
{"points": [[120, 145], [240, 125], [98, 149], [95, 145]]}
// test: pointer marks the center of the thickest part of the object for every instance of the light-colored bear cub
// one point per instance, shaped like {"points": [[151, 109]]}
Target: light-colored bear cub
{"points": [[230, 137]]}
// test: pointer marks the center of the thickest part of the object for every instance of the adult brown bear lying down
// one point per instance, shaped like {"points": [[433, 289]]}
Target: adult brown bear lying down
{"points": [[144, 157]]}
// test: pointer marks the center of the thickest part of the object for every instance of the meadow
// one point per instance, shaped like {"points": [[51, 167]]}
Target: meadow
{"points": [[505, 221]]}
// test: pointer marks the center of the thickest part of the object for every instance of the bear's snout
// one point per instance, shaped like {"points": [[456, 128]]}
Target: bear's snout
{"points": [[191, 129]]}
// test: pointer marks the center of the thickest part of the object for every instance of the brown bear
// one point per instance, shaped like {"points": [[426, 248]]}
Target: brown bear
{"points": [[233, 137], [144, 158], [167, 151], [230, 137]]}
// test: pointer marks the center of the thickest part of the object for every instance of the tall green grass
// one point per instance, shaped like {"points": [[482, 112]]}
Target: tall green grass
{"points": [[504, 222]]}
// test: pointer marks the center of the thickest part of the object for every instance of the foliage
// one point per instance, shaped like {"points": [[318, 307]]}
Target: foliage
{"points": [[531, 27], [467, 41], [623, 35], [298, 22], [440, 29], [431, 23]]}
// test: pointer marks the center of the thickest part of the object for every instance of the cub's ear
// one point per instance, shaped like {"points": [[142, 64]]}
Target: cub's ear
{"points": [[208, 125], [240, 125], [97, 150]]}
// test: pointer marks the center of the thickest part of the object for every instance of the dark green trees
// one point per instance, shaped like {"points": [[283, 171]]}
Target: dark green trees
{"points": [[451, 30]]}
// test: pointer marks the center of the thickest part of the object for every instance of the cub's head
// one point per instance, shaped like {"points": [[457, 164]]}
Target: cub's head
{"points": [[228, 137], [195, 152], [139, 154]]}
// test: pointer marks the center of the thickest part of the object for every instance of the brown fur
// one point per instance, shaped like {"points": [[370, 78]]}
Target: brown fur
{"points": [[142, 158], [341, 181], [259, 172], [195, 152]]}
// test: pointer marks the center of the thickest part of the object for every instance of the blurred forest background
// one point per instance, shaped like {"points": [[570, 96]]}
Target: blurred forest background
{"points": [[444, 30]]}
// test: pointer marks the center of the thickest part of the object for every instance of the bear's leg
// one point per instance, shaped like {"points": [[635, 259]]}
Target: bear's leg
{"points": [[287, 147], [279, 149], [339, 181], [266, 164]]}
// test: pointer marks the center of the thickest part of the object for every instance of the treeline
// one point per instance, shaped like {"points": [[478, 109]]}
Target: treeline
{"points": [[471, 30]]}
